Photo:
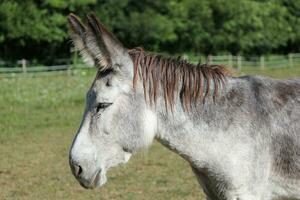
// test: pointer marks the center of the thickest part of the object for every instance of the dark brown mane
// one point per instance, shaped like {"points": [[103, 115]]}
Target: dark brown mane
{"points": [[176, 76]]}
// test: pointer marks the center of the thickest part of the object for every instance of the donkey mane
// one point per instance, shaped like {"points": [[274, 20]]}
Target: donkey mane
{"points": [[192, 82]]}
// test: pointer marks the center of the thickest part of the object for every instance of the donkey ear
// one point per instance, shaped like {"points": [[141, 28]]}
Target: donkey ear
{"points": [[77, 33], [112, 44], [98, 43]]}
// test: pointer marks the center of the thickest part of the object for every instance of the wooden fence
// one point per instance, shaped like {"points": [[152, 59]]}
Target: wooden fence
{"points": [[237, 62], [240, 62], [8, 72]]}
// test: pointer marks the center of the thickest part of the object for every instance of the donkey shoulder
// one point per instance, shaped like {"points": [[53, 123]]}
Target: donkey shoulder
{"points": [[272, 96], [284, 89], [279, 100]]}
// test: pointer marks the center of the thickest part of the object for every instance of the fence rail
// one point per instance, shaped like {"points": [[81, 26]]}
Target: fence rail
{"points": [[8, 72], [240, 62], [237, 62]]}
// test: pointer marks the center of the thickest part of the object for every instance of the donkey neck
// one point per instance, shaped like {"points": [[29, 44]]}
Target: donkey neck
{"points": [[179, 133], [174, 86], [201, 133]]}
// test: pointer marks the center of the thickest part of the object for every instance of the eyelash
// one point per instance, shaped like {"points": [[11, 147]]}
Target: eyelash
{"points": [[102, 106]]}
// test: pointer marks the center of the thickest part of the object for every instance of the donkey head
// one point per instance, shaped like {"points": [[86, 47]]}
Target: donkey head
{"points": [[116, 120]]}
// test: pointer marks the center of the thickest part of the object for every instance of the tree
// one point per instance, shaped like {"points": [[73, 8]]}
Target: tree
{"points": [[249, 26], [36, 29], [293, 44]]}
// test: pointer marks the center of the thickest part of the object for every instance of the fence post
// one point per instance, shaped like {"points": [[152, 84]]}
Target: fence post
{"points": [[209, 59], [229, 60], [75, 58], [69, 70], [291, 64], [239, 62], [24, 67], [262, 62]]}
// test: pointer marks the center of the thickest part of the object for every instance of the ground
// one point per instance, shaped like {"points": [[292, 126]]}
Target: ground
{"points": [[38, 119]]}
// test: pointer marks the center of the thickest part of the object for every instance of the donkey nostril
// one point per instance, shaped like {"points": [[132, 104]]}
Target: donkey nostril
{"points": [[77, 170]]}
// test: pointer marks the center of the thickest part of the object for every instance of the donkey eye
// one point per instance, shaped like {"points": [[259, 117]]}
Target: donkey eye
{"points": [[108, 84], [102, 106], [126, 150]]}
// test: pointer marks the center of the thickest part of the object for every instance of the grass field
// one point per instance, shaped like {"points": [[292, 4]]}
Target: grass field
{"points": [[38, 119]]}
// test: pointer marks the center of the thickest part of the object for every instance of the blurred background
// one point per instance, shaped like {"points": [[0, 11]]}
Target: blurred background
{"points": [[37, 30], [43, 82]]}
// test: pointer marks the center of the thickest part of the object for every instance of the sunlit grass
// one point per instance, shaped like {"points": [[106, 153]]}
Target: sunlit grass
{"points": [[38, 119], [278, 73]]}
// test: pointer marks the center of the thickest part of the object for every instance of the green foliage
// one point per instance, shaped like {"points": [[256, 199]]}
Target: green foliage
{"points": [[38, 29], [35, 29], [249, 26], [293, 8]]}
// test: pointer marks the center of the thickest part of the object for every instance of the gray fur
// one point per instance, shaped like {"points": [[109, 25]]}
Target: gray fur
{"points": [[244, 146]]}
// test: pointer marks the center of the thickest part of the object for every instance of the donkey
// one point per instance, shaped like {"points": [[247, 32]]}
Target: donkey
{"points": [[240, 135]]}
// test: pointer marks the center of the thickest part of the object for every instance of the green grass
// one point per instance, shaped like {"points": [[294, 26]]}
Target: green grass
{"points": [[38, 119], [272, 72]]}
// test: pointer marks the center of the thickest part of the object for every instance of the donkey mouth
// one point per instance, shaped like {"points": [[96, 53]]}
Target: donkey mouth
{"points": [[96, 181]]}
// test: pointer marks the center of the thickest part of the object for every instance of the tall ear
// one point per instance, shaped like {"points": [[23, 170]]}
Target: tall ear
{"points": [[95, 42], [77, 33]]}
